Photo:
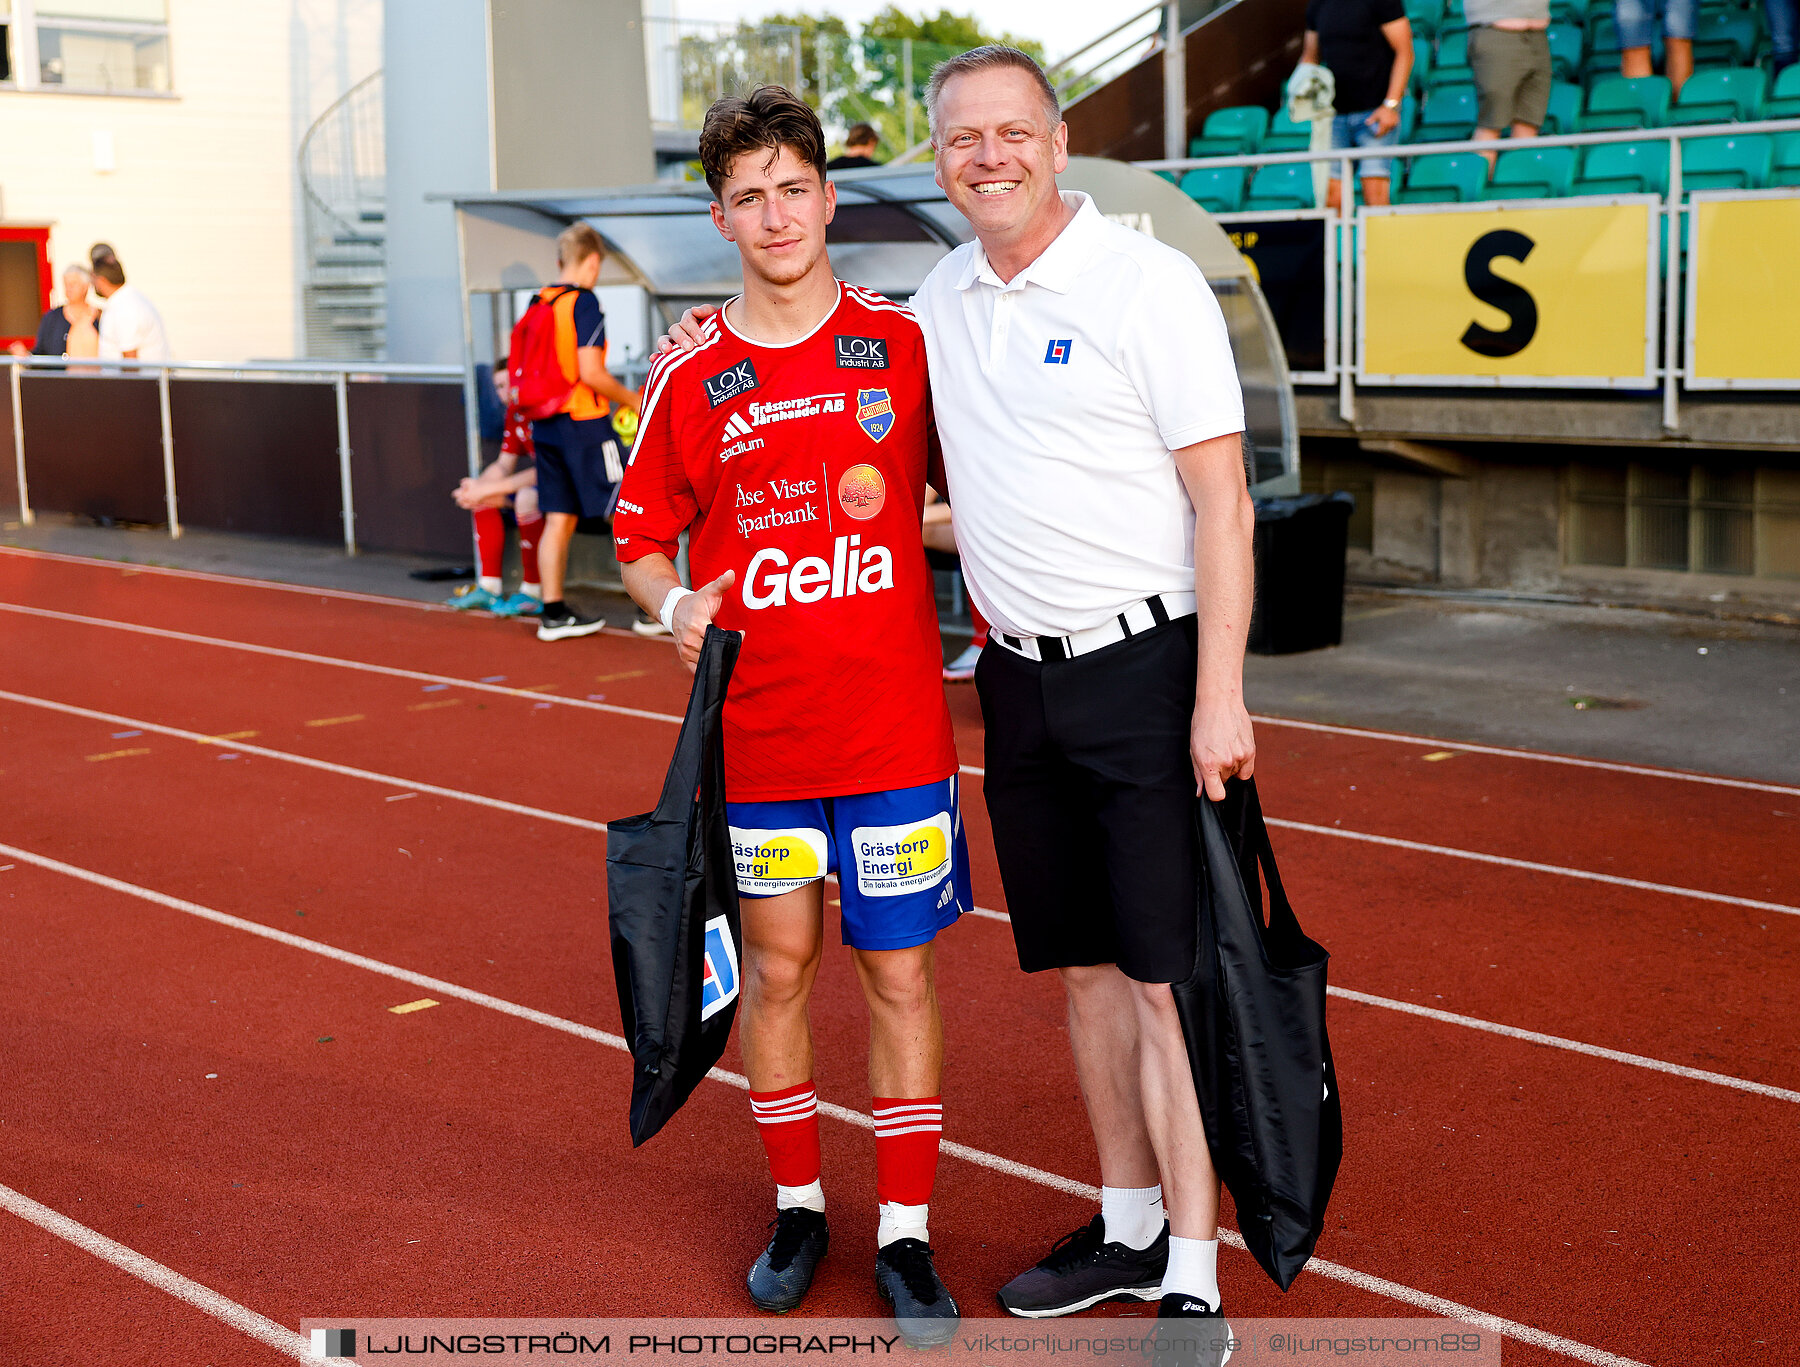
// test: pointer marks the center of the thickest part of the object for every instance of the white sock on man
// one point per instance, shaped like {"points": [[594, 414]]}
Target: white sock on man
{"points": [[902, 1222], [812, 1196], [1193, 1269], [1134, 1215], [491, 582]]}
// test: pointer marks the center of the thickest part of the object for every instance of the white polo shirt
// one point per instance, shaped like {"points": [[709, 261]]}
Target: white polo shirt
{"points": [[130, 322], [1059, 397]]}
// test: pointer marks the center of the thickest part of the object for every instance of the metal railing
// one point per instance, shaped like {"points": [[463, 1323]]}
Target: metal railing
{"points": [[335, 373], [1670, 210]]}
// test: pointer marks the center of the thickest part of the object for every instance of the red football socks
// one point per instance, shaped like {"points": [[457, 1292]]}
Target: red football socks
{"points": [[529, 532], [906, 1147], [788, 1124], [490, 540]]}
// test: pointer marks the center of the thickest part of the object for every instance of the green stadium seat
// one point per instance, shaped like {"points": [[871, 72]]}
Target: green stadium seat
{"points": [[1626, 102], [1742, 161], [1726, 37], [1217, 189], [1787, 156], [1444, 178], [1565, 108], [1421, 63], [1286, 135], [1424, 15], [1565, 51], [1281, 187], [1448, 115], [1232, 132], [1532, 173], [1567, 12], [1624, 168], [1452, 50], [1784, 96], [1721, 96]]}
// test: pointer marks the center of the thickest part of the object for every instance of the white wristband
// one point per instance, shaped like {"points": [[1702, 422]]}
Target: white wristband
{"points": [[667, 614]]}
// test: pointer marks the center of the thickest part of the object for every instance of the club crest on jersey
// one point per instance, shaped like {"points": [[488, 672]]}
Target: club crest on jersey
{"points": [[862, 353], [719, 978], [728, 384], [874, 412]]}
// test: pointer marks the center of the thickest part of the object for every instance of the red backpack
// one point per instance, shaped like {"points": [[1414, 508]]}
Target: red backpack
{"points": [[540, 388]]}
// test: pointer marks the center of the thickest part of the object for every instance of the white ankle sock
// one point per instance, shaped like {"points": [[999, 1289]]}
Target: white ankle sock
{"points": [[532, 591], [812, 1196], [902, 1222], [491, 583], [1134, 1215], [1193, 1269]]}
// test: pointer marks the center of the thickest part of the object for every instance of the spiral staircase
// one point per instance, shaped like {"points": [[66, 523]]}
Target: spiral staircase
{"points": [[343, 180]]}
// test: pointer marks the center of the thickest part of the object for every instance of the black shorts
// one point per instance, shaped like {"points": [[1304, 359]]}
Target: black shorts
{"points": [[579, 465], [1091, 792]]}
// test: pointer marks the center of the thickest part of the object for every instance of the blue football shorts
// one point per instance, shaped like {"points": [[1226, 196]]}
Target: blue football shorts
{"points": [[901, 858]]}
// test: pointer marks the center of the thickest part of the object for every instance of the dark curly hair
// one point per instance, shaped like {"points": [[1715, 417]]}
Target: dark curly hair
{"points": [[770, 118]]}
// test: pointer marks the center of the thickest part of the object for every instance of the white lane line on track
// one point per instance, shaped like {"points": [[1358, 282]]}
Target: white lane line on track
{"points": [[222, 643], [1380, 1286], [1572, 1045], [986, 913], [241, 1318], [1533, 867], [307, 657], [1541, 756]]}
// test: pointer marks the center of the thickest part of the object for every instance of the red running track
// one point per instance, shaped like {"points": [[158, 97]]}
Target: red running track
{"points": [[1582, 1197]]}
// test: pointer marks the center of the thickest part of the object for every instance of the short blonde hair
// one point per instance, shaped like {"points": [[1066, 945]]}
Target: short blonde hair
{"points": [[990, 57], [576, 243]]}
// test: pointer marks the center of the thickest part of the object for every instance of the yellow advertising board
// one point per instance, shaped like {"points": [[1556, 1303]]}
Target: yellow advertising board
{"points": [[1539, 293], [1744, 291]]}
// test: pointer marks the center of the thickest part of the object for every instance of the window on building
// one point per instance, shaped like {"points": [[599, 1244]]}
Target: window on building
{"points": [[6, 25], [99, 46], [1711, 518]]}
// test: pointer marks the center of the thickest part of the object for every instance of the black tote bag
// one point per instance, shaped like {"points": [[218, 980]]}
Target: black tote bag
{"points": [[671, 891], [1253, 1012]]}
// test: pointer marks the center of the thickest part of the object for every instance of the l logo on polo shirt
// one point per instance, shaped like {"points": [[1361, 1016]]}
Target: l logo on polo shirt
{"points": [[862, 353], [1057, 353], [728, 384]]}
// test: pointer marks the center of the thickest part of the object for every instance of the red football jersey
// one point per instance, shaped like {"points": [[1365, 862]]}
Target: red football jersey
{"points": [[802, 467]]}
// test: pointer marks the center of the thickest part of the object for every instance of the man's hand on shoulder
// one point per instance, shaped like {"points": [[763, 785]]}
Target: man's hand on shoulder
{"points": [[685, 335]]}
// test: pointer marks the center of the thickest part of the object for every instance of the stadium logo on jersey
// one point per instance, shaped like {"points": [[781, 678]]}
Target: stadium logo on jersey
{"points": [[728, 384], [862, 353], [861, 492], [1057, 353], [719, 978], [892, 861], [874, 412], [769, 582], [736, 437], [772, 862]]}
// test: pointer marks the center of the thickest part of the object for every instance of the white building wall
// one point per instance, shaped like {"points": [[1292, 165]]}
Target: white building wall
{"points": [[202, 201]]}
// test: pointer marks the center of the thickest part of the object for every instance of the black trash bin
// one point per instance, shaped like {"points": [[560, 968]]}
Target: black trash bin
{"points": [[1300, 572]]}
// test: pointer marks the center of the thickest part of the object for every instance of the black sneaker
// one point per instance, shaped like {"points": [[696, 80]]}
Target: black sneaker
{"points": [[1181, 1342], [567, 623], [1083, 1270], [780, 1277], [908, 1280]]}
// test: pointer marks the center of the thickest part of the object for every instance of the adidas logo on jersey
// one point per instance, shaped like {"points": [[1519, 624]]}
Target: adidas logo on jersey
{"points": [[769, 581], [736, 430]]}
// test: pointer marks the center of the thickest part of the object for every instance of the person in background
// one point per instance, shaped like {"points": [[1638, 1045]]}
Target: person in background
{"points": [[500, 488], [130, 326], [69, 329], [1509, 52], [1367, 47], [1637, 28], [1784, 34], [859, 149], [940, 553]]}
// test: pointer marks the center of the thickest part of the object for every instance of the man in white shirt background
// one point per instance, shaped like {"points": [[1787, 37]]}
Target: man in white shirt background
{"points": [[130, 326]]}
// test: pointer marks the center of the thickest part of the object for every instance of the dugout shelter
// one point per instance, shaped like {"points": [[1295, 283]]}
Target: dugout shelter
{"points": [[893, 224]]}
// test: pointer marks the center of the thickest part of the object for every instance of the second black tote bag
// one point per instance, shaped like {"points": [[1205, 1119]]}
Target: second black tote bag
{"points": [[1253, 1012], [671, 891]]}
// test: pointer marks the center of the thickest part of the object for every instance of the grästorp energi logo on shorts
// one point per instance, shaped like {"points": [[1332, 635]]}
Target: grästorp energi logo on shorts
{"points": [[892, 861], [772, 862], [719, 980], [875, 412]]}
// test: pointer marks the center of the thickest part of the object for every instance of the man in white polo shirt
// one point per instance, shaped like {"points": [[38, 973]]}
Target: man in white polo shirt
{"points": [[1091, 422]]}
